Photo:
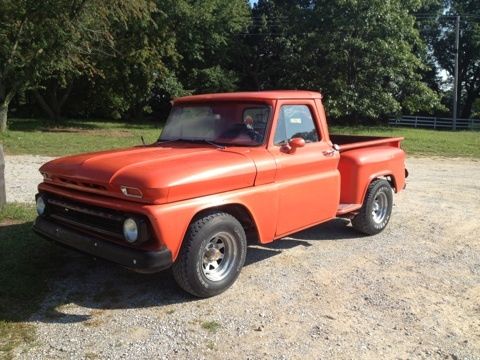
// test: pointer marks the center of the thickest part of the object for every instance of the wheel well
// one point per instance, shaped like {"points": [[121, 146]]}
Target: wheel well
{"points": [[390, 179], [239, 212]]}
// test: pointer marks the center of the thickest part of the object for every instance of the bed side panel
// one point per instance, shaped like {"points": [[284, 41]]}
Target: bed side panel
{"points": [[359, 167]]}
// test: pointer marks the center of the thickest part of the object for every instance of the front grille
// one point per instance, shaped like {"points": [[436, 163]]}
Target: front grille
{"points": [[105, 223], [83, 184]]}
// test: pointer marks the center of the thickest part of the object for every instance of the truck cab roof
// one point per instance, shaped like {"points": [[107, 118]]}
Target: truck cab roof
{"points": [[251, 96]]}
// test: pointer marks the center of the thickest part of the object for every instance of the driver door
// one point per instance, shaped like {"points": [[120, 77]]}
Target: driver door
{"points": [[307, 179]]}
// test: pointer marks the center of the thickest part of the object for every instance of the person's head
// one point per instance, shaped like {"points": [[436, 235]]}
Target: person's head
{"points": [[248, 121]]}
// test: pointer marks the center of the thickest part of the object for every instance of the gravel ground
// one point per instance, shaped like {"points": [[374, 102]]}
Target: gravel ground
{"points": [[411, 292], [22, 177]]}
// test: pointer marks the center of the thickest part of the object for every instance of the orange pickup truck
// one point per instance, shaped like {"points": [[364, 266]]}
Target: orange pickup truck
{"points": [[226, 168]]}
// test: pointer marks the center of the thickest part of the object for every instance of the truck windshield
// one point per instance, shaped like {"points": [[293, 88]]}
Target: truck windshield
{"points": [[227, 123]]}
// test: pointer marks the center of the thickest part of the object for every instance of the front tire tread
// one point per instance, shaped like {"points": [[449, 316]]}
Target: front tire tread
{"points": [[185, 270]]}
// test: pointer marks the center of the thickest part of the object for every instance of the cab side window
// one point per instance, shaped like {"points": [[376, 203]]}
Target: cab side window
{"points": [[295, 121]]}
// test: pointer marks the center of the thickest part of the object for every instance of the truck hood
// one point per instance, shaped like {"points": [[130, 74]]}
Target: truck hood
{"points": [[162, 173]]}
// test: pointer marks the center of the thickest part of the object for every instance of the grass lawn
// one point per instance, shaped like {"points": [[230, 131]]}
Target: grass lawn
{"points": [[425, 142], [70, 137], [26, 264]]}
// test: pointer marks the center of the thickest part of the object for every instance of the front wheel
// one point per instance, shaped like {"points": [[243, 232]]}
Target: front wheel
{"points": [[376, 210], [212, 255]]}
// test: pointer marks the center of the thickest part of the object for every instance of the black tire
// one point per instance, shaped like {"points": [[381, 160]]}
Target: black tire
{"points": [[376, 210], [195, 271]]}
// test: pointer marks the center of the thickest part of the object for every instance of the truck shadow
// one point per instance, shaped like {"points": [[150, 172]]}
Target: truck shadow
{"points": [[81, 286], [333, 230]]}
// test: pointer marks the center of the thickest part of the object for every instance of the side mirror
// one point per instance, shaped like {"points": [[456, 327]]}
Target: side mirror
{"points": [[293, 144]]}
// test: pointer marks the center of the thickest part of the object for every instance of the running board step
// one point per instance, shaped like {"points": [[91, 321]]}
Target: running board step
{"points": [[346, 208]]}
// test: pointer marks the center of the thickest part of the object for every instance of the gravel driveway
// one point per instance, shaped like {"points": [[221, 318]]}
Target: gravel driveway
{"points": [[411, 292], [22, 177]]}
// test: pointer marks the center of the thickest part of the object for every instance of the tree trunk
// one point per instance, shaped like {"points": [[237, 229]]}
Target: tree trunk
{"points": [[43, 104], [64, 98], [3, 195], [53, 108], [3, 116], [467, 107]]}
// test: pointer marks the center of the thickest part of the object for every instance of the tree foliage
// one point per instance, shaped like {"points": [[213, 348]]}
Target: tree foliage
{"points": [[440, 34], [181, 48], [364, 55], [205, 31], [127, 58], [55, 40], [142, 56]]}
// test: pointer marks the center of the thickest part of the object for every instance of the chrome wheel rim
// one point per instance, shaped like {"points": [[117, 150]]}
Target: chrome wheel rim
{"points": [[218, 256], [380, 207]]}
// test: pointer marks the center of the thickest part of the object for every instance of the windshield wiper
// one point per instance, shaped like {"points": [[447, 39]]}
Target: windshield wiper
{"points": [[218, 146], [160, 141], [213, 143]]}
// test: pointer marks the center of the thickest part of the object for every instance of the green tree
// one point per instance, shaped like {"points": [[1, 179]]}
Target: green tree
{"points": [[373, 57], [271, 55], [144, 58], [53, 41], [440, 35], [205, 33], [184, 47], [365, 56]]}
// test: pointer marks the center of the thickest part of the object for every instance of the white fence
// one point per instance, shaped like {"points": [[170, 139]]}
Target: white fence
{"points": [[436, 123]]}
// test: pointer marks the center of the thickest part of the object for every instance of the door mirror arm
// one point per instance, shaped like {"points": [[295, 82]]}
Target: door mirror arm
{"points": [[291, 146]]}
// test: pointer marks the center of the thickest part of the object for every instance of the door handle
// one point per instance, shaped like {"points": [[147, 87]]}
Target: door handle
{"points": [[331, 152]]}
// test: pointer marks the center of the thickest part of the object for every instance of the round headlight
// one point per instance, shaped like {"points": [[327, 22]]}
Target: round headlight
{"points": [[41, 206], [130, 230]]}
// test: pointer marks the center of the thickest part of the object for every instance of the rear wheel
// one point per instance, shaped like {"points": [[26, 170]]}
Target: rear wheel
{"points": [[212, 255], [376, 210]]}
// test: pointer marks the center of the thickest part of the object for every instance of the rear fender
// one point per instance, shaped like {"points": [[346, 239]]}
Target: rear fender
{"points": [[381, 175], [359, 167]]}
